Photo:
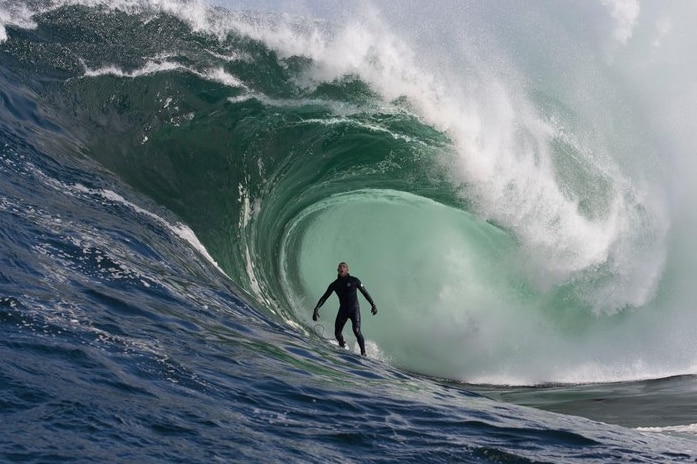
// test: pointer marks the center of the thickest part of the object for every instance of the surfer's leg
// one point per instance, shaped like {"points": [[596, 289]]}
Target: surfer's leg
{"points": [[339, 327], [356, 325]]}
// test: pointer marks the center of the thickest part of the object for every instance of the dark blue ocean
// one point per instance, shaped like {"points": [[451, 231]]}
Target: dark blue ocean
{"points": [[512, 181]]}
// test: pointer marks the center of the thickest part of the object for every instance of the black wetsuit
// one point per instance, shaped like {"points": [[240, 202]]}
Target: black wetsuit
{"points": [[345, 288]]}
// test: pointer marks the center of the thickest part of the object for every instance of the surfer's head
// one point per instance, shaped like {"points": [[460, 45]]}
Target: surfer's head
{"points": [[342, 269]]}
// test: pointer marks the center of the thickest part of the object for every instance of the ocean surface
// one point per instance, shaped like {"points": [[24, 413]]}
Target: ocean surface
{"points": [[513, 182]]}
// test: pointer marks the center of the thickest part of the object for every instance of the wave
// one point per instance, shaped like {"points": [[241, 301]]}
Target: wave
{"points": [[516, 205]]}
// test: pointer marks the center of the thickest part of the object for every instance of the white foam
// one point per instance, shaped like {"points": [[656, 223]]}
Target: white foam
{"points": [[686, 429], [249, 209], [216, 74], [625, 13], [12, 14], [150, 67]]}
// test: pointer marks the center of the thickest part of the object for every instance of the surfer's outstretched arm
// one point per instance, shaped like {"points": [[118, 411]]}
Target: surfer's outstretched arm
{"points": [[373, 308], [315, 313]]}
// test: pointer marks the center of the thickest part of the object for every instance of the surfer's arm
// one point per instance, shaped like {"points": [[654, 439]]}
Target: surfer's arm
{"points": [[373, 308], [315, 313], [324, 297]]}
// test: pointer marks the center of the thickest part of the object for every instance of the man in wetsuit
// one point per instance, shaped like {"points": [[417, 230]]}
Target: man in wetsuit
{"points": [[345, 287]]}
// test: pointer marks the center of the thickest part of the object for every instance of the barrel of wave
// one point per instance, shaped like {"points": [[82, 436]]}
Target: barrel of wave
{"points": [[446, 283]]}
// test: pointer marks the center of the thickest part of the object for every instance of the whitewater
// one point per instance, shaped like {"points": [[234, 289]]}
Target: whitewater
{"points": [[512, 181]]}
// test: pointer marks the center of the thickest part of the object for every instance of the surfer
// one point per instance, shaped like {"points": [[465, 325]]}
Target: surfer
{"points": [[345, 287]]}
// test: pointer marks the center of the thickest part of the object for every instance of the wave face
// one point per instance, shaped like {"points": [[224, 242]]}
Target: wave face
{"points": [[181, 180]]}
